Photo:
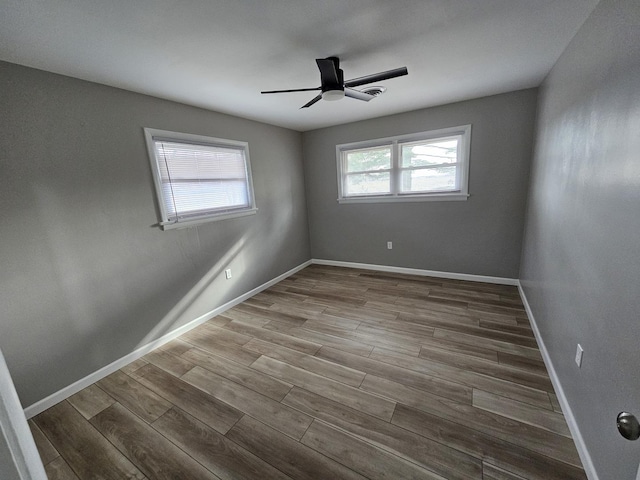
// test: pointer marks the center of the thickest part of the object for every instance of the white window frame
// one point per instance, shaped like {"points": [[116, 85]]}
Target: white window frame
{"points": [[396, 142], [152, 134]]}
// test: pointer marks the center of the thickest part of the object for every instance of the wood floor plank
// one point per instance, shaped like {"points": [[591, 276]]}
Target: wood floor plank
{"points": [[529, 351], [530, 464], [91, 401], [274, 337], [427, 383], [177, 346], [45, 449], [268, 411], [218, 415], [293, 458], [459, 348], [388, 341], [362, 457], [524, 330], [431, 455], [302, 310], [541, 418], [517, 433], [223, 335], [465, 377], [220, 348], [145, 403], [58, 469], [328, 340], [493, 369], [317, 365], [524, 338], [555, 403], [341, 393], [491, 472], [417, 332], [131, 368], [223, 457], [86, 451], [524, 363], [175, 365], [292, 319], [361, 314], [156, 456], [271, 387]]}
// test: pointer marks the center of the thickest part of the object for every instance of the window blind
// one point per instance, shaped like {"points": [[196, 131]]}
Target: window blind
{"points": [[199, 179]]}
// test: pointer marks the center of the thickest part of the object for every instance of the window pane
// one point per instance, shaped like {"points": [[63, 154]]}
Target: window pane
{"points": [[420, 154], [438, 179], [378, 158], [368, 183]]}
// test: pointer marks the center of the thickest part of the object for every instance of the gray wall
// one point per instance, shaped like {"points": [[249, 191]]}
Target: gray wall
{"points": [[479, 236], [85, 276], [581, 257]]}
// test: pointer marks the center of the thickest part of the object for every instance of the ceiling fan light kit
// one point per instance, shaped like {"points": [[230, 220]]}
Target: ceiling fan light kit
{"points": [[333, 87], [332, 95]]}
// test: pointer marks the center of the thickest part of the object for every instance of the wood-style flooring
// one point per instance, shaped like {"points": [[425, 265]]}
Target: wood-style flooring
{"points": [[333, 373]]}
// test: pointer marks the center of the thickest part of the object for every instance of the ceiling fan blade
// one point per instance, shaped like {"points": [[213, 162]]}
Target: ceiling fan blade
{"points": [[329, 72], [315, 99], [350, 92], [377, 77], [294, 90]]}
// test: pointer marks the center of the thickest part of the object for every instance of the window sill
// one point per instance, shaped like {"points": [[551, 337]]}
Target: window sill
{"points": [[432, 197], [200, 220]]}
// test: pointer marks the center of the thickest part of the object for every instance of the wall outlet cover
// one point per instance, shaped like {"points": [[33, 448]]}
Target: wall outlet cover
{"points": [[227, 273]]}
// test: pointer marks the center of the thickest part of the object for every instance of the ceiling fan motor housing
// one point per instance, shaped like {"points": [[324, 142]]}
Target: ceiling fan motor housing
{"points": [[332, 90]]}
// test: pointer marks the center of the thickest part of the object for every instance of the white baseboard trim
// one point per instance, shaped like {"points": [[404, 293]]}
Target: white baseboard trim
{"points": [[587, 463], [415, 271], [75, 387]]}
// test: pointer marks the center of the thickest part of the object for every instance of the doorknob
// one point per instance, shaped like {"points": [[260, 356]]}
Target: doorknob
{"points": [[628, 426]]}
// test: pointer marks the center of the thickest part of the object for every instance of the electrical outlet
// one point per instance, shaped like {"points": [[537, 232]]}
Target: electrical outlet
{"points": [[227, 273], [389, 245], [579, 352]]}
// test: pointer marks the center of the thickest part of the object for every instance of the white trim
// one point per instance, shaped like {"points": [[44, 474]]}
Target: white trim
{"points": [[429, 197], [15, 430], [75, 387], [152, 134], [587, 463], [419, 272], [201, 220], [394, 143]]}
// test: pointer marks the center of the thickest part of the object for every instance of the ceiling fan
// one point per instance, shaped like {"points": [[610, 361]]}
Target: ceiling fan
{"points": [[333, 86]]}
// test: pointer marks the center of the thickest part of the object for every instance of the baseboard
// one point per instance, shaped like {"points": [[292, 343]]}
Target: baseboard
{"points": [[75, 387], [587, 463], [415, 271]]}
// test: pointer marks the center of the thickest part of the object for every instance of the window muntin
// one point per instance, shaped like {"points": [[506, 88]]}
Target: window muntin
{"points": [[199, 178], [423, 166]]}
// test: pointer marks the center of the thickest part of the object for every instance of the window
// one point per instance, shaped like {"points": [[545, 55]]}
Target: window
{"points": [[423, 166], [198, 178]]}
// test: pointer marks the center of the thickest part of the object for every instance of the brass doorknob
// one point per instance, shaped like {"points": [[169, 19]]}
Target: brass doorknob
{"points": [[628, 426]]}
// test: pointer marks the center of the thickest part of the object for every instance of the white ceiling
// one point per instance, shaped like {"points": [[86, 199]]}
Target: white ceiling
{"points": [[219, 54]]}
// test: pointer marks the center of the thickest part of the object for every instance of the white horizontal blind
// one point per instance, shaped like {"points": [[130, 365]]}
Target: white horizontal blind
{"points": [[201, 179]]}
